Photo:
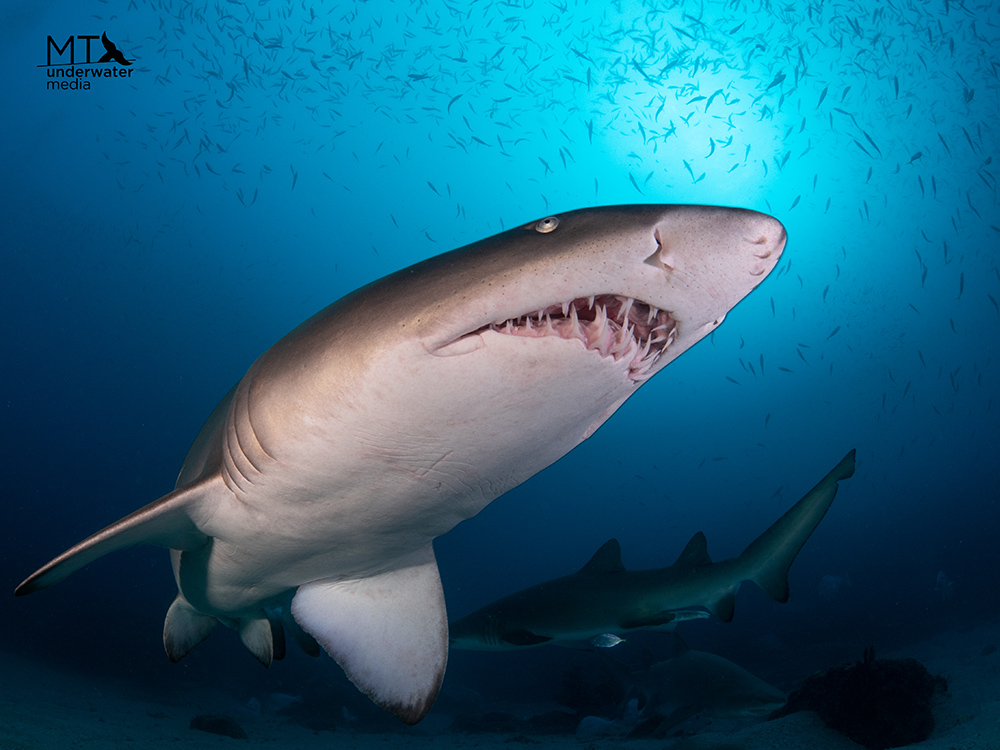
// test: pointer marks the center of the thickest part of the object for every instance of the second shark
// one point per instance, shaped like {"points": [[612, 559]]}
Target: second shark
{"points": [[603, 600]]}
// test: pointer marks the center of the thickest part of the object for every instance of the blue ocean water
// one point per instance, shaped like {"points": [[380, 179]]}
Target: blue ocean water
{"points": [[163, 228]]}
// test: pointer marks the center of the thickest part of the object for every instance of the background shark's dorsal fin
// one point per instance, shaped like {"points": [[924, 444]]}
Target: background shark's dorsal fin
{"points": [[695, 553], [608, 559]]}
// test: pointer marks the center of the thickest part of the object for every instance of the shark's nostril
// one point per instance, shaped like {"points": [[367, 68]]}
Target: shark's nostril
{"points": [[661, 257]]}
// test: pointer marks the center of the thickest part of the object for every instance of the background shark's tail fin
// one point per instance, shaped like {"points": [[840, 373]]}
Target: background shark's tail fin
{"points": [[770, 555]]}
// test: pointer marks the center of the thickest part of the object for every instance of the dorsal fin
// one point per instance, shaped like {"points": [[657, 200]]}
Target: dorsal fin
{"points": [[695, 554], [608, 559]]}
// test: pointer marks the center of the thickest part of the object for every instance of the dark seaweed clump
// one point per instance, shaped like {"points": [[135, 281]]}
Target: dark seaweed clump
{"points": [[878, 703]]}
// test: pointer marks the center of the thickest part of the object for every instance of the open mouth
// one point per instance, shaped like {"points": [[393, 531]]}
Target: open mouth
{"points": [[613, 326]]}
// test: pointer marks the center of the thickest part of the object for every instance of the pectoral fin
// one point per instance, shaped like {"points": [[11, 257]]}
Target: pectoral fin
{"points": [[389, 632], [167, 522]]}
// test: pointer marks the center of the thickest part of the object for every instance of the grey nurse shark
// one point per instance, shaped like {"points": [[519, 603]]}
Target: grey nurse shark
{"points": [[694, 683], [602, 601], [309, 500]]}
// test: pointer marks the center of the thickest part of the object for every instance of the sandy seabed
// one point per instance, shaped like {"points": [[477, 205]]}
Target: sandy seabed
{"points": [[42, 707]]}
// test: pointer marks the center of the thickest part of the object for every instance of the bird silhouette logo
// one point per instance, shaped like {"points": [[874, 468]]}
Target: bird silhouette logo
{"points": [[113, 54]]}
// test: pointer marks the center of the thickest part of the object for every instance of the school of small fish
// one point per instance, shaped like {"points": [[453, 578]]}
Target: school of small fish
{"points": [[869, 129]]}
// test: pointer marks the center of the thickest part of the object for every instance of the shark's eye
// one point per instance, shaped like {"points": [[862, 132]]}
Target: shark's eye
{"points": [[547, 225]]}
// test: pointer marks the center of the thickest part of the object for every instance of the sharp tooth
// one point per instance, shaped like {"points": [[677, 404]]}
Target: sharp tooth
{"points": [[510, 326], [626, 309], [653, 312], [600, 327], [590, 302], [624, 341], [565, 308]]}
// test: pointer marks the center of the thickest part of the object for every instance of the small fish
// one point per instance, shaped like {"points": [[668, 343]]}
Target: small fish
{"points": [[915, 157], [871, 142], [833, 333], [777, 79], [606, 640], [711, 99], [944, 143]]}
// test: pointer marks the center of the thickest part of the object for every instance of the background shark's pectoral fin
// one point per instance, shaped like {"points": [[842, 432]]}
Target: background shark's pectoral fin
{"points": [[389, 632], [166, 522], [184, 628]]}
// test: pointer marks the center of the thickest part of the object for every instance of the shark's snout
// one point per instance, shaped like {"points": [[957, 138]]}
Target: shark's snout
{"points": [[767, 238]]}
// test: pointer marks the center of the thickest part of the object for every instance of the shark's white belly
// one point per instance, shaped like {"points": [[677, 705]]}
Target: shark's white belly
{"points": [[348, 494]]}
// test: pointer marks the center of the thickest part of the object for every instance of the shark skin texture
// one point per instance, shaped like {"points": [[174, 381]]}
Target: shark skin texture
{"points": [[602, 601], [309, 500]]}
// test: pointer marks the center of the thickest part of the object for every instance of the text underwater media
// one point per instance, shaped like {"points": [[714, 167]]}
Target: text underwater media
{"points": [[68, 72]]}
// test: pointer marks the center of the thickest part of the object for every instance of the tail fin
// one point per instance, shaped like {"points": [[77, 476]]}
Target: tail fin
{"points": [[770, 555]]}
